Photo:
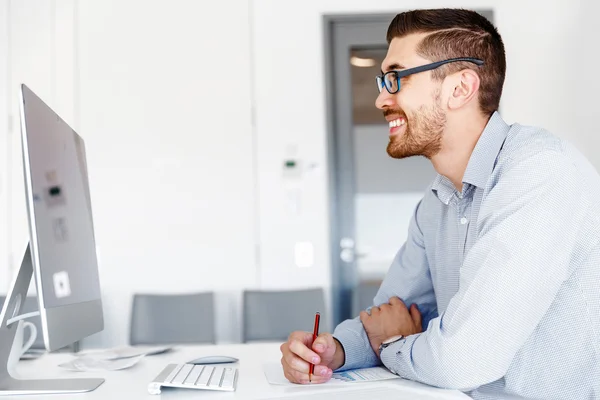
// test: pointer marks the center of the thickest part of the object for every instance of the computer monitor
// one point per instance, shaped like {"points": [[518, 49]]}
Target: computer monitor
{"points": [[61, 255]]}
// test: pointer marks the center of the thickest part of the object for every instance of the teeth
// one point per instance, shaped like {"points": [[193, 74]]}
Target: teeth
{"points": [[397, 122]]}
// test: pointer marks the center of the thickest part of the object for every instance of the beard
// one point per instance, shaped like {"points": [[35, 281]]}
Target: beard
{"points": [[423, 133]]}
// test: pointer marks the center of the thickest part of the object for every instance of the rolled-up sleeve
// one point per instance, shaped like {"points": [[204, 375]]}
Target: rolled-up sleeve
{"points": [[409, 279], [528, 246]]}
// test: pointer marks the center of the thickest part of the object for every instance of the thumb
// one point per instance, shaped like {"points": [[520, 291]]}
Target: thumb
{"points": [[323, 342], [416, 316]]}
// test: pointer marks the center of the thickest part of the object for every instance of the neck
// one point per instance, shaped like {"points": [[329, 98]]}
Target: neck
{"points": [[457, 146]]}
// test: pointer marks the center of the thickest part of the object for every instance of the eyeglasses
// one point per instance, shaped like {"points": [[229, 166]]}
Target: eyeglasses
{"points": [[391, 79]]}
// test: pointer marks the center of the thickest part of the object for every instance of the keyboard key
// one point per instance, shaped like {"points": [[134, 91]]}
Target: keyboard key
{"points": [[205, 376], [183, 373], [193, 376], [228, 377], [173, 373], [215, 380]]}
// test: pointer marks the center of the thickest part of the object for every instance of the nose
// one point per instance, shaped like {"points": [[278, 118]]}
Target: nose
{"points": [[385, 100]]}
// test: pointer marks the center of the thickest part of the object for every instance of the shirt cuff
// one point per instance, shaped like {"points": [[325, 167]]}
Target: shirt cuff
{"points": [[357, 354], [390, 355]]}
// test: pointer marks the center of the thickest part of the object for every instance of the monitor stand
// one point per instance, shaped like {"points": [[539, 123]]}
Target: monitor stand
{"points": [[10, 386]]}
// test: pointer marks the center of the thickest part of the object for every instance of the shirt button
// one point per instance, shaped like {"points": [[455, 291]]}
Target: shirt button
{"points": [[463, 221]]}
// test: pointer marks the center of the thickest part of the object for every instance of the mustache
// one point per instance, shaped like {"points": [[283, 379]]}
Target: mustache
{"points": [[392, 111]]}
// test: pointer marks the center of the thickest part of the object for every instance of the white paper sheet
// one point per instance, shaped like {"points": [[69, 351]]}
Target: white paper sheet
{"points": [[275, 376], [121, 352], [112, 359], [376, 392], [371, 392], [92, 364]]}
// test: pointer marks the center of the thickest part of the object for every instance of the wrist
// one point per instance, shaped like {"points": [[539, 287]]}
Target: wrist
{"points": [[377, 340], [376, 344], [339, 356], [389, 341]]}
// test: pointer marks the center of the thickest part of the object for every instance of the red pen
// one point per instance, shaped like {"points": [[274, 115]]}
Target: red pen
{"points": [[315, 334]]}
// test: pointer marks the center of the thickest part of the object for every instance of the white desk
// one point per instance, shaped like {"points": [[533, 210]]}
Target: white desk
{"points": [[132, 383]]}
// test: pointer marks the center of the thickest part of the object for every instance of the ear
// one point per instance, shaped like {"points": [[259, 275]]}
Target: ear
{"points": [[465, 88]]}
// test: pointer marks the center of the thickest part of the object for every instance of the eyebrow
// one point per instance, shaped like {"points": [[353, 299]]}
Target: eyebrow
{"points": [[394, 66]]}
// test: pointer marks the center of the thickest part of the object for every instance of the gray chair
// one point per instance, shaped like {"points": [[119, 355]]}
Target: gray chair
{"points": [[31, 305], [363, 295], [273, 315], [172, 319]]}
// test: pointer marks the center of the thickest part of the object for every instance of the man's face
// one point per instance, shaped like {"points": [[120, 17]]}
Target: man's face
{"points": [[415, 114]]}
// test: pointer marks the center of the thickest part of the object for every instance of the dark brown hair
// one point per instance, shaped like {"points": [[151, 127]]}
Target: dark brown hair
{"points": [[458, 33]]}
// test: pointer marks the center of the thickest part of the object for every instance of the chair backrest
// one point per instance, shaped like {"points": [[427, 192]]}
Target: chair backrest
{"points": [[273, 315], [31, 305], [172, 319], [363, 296]]}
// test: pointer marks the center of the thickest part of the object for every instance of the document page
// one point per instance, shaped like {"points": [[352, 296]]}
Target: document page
{"points": [[112, 359], [91, 364], [121, 352], [371, 392], [275, 376]]}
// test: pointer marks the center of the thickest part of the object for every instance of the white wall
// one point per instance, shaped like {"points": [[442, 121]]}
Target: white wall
{"points": [[583, 80], [164, 102]]}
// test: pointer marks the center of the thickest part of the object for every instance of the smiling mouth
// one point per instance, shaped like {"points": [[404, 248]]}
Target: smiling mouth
{"points": [[397, 122], [397, 126]]}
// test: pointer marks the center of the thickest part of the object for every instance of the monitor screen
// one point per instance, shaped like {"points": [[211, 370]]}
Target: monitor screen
{"points": [[62, 236]]}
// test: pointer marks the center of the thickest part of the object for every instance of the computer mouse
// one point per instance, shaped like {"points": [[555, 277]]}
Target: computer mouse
{"points": [[213, 360]]}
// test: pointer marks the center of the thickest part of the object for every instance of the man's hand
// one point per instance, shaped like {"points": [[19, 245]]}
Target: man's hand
{"points": [[389, 320], [326, 353]]}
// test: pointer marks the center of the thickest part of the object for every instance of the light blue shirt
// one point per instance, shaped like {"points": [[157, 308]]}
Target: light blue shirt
{"points": [[506, 275]]}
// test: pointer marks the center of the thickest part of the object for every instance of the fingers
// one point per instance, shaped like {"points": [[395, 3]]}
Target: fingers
{"points": [[321, 374], [301, 355], [395, 300], [294, 362], [304, 337], [296, 353], [416, 316], [363, 316], [299, 342], [323, 342], [291, 374], [296, 357]]}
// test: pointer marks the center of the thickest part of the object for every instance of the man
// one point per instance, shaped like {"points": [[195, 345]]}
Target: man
{"points": [[496, 290]]}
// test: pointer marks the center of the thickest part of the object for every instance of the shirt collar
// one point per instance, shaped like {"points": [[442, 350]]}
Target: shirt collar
{"points": [[443, 188], [482, 160]]}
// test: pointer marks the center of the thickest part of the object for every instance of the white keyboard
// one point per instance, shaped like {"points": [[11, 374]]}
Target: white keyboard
{"points": [[192, 376]]}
